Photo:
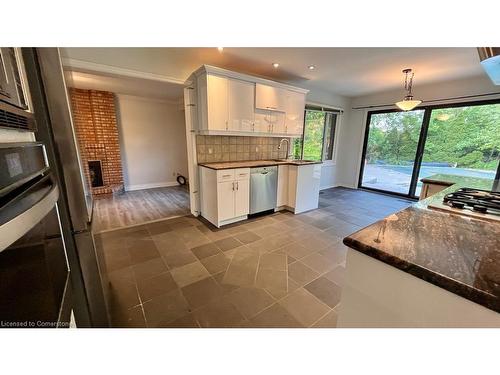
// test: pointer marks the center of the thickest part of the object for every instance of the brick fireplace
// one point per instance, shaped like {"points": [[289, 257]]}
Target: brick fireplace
{"points": [[94, 117]]}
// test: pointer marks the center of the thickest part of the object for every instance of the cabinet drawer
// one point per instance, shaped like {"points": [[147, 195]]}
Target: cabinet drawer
{"points": [[242, 174], [225, 175]]}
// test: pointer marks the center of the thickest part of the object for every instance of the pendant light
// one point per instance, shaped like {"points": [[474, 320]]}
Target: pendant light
{"points": [[407, 104]]}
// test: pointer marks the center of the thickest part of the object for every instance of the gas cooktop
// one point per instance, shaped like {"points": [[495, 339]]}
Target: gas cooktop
{"points": [[476, 200]]}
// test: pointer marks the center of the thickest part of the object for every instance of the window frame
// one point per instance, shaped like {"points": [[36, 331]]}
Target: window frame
{"points": [[319, 108], [421, 142]]}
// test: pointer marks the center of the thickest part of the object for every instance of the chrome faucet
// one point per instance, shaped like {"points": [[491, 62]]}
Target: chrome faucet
{"points": [[287, 147]]}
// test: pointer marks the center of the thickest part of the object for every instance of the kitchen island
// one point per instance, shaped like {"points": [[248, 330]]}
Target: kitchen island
{"points": [[422, 267]]}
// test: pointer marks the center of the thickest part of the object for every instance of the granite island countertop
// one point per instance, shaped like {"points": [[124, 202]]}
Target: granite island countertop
{"points": [[256, 163], [458, 253]]}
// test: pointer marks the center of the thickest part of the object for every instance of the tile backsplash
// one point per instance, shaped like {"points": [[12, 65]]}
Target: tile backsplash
{"points": [[217, 148]]}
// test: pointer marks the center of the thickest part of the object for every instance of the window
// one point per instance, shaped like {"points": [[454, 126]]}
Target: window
{"points": [[318, 140], [401, 148]]}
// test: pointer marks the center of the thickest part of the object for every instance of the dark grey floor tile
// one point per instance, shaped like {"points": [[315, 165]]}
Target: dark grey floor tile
{"points": [[228, 243], [166, 308], [155, 286], [219, 314], [131, 318], [149, 268], [247, 237], [141, 250], [206, 250], [187, 321], [202, 292], [325, 290], [275, 316]]}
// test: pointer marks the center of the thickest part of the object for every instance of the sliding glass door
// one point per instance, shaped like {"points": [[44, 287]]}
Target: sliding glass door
{"points": [[401, 148], [390, 150], [462, 141]]}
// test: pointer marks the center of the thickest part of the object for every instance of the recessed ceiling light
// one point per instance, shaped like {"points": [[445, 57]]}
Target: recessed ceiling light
{"points": [[311, 67], [220, 49], [276, 65]]}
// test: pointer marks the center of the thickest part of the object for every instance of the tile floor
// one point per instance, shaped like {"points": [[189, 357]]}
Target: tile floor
{"points": [[281, 270]]}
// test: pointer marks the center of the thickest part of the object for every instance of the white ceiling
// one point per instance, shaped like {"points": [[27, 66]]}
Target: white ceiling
{"points": [[343, 71], [124, 85]]}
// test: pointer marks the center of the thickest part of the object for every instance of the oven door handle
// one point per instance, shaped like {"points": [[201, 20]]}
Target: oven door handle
{"points": [[21, 224]]}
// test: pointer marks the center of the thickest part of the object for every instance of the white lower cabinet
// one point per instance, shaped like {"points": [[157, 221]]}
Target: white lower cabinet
{"points": [[225, 195], [242, 198], [298, 187], [307, 179], [225, 200], [282, 195]]}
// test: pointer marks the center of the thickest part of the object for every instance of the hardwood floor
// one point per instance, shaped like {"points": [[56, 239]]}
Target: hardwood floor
{"points": [[140, 206]]}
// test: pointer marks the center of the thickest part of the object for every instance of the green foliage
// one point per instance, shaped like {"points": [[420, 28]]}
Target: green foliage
{"points": [[467, 137], [313, 135]]}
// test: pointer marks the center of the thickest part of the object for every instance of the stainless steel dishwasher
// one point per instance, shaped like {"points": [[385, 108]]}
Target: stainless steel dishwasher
{"points": [[263, 189]]}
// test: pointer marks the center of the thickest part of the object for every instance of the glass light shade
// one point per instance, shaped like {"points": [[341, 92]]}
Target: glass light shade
{"points": [[408, 105]]}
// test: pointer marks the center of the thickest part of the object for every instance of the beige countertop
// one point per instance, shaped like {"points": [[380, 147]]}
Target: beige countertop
{"points": [[256, 163]]}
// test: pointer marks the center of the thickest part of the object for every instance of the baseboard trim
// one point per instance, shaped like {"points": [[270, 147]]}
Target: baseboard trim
{"points": [[328, 187], [151, 185]]}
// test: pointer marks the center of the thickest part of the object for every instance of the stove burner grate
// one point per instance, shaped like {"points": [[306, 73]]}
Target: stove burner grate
{"points": [[477, 200]]}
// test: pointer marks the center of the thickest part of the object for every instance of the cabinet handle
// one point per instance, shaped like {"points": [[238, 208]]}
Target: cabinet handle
{"points": [[226, 175], [233, 186], [226, 125], [237, 185]]}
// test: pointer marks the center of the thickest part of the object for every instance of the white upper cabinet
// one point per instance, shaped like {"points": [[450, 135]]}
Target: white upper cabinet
{"points": [[241, 97], [294, 113], [271, 122], [217, 97], [233, 103], [278, 123], [270, 98]]}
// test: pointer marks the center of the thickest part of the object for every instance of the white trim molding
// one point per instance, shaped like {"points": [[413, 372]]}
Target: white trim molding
{"points": [[245, 77], [87, 66], [151, 185]]}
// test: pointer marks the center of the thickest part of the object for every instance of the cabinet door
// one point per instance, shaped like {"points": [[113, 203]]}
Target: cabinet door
{"points": [[217, 97], [278, 123], [263, 121], [225, 200], [282, 196], [294, 118], [292, 185], [242, 198], [241, 99], [270, 97]]}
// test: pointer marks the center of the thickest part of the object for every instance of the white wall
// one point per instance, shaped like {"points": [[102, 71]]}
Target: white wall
{"points": [[352, 135], [152, 141], [330, 171]]}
